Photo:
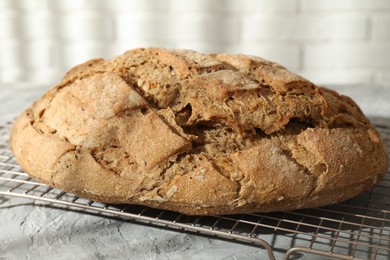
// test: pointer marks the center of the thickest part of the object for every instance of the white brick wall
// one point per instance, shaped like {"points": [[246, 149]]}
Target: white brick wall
{"points": [[345, 5], [304, 27], [142, 26], [204, 27], [40, 24], [10, 25], [381, 26], [328, 41], [346, 55], [85, 25]]}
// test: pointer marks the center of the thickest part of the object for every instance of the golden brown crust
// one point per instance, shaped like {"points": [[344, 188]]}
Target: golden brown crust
{"points": [[198, 134]]}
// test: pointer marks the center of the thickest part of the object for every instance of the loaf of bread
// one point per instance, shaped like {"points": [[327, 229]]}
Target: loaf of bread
{"points": [[199, 134]]}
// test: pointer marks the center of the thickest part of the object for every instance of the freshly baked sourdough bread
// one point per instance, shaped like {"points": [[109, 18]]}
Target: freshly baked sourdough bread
{"points": [[198, 134]]}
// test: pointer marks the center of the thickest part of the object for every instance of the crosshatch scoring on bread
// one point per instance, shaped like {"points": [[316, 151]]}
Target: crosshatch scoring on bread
{"points": [[198, 134]]}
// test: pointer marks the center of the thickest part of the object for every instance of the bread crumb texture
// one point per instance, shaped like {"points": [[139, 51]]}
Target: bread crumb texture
{"points": [[199, 134]]}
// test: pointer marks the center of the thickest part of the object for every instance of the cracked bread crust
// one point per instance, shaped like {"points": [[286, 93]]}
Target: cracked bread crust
{"points": [[198, 134]]}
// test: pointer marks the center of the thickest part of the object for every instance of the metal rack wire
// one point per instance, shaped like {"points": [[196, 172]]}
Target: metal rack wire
{"points": [[358, 228]]}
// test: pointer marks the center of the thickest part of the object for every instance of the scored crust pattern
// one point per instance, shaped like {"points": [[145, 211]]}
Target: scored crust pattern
{"points": [[198, 134]]}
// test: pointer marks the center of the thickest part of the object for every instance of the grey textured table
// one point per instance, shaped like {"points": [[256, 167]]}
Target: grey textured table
{"points": [[30, 230]]}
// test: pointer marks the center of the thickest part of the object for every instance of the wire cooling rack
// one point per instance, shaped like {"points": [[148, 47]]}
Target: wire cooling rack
{"points": [[355, 229]]}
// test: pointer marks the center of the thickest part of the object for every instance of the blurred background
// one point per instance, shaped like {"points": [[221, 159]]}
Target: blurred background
{"points": [[332, 42]]}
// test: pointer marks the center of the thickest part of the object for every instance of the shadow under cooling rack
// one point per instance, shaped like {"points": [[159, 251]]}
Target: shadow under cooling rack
{"points": [[357, 228]]}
